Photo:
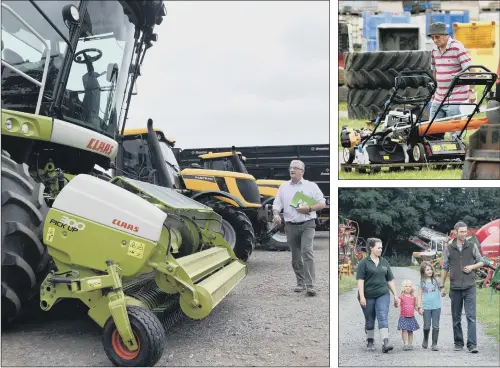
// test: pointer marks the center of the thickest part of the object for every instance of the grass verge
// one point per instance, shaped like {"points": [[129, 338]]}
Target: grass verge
{"points": [[488, 314], [347, 283], [450, 174]]}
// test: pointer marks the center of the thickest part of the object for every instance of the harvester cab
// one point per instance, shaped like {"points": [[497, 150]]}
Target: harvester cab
{"points": [[402, 136], [136, 254]]}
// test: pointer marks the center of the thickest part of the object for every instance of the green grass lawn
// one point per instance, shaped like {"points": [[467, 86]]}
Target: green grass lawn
{"points": [[347, 283], [429, 174], [489, 314]]}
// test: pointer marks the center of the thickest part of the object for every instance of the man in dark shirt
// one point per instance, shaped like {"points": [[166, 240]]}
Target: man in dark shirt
{"points": [[461, 258]]}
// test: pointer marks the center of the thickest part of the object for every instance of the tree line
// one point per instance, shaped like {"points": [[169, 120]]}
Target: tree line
{"points": [[394, 214]]}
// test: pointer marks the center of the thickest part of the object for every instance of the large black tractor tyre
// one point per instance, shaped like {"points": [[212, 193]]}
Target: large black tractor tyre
{"points": [[278, 242], [369, 103], [379, 69], [237, 230], [25, 260]]}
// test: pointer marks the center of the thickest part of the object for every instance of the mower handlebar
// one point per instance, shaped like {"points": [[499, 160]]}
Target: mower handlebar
{"points": [[476, 67], [413, 74], [407, 100], [468, 78]]}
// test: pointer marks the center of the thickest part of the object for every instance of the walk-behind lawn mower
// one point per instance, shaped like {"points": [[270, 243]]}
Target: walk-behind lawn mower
{"points": [[401, 138]]}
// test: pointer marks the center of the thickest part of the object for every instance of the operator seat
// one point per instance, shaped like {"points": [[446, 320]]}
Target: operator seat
{"points": [[11, 57]]}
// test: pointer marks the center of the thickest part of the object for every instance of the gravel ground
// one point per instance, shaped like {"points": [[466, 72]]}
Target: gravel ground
{"points": [[352, 342], [262, 322]]}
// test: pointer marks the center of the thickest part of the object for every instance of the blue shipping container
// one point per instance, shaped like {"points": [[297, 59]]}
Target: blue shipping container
{"points": [[371, 21], [370, 45], [447, 18]]}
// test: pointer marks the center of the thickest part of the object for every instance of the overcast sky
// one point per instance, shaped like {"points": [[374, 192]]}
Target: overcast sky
{"points": [[238, 73]]}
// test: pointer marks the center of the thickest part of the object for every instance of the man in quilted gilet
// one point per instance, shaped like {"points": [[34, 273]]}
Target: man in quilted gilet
{"points": [[461, 258]]}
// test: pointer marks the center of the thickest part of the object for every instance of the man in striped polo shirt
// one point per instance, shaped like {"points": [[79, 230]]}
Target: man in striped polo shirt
{"points": [[448, 58]]}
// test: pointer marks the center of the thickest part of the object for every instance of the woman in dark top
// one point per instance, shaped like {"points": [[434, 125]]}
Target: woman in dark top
{"points": [[375, 281]]}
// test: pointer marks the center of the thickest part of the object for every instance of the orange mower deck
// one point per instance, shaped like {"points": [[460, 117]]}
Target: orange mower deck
{"points": [[451, 126]]}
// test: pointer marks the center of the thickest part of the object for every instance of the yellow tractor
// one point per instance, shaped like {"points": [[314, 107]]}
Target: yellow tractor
{"points": [[268, 188], [232, 193], [228, 161]]}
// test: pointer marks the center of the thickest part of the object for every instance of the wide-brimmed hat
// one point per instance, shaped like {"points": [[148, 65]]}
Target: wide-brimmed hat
{"points": [[437, 28]]}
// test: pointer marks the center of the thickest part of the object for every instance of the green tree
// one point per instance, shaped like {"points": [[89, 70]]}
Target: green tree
{"points": [[394, 214]]}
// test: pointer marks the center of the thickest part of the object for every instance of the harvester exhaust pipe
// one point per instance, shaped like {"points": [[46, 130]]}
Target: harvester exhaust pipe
{"points": [[157, 159]]}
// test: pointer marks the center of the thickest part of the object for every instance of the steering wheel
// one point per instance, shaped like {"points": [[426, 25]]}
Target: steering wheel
{"points": [[86, 58]]}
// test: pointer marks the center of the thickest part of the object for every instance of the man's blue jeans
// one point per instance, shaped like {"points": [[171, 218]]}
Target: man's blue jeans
{"points": [[432, 315], [377, 308], [444, 111], [467, 299]]}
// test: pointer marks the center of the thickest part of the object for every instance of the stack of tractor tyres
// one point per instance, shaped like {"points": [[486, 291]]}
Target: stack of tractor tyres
{"points": [[371, 75], [25, 260]]}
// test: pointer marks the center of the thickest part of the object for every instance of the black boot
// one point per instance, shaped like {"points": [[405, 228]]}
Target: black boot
{"points": [[386, 347], [370, 345], [426, 338], [435, 335]]}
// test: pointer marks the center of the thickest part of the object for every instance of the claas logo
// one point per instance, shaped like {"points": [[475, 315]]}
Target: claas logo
{"points": [[125, 225]]}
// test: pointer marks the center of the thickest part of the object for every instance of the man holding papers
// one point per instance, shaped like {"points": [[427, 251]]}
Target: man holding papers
{"points": [[300, 199]]}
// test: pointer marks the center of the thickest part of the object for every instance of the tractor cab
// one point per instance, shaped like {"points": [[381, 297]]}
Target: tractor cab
{"points": [[224, 161], [138, 161], [71, 61]]}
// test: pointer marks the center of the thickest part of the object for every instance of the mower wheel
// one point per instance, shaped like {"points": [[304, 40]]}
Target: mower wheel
{"points": [[348, 155], [237, 230], [418, 153], [25, 260], [150, 336]]}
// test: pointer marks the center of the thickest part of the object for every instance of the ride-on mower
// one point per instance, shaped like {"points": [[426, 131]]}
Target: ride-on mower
{"points": [[402, 137], [138, 255], [147, 155]]}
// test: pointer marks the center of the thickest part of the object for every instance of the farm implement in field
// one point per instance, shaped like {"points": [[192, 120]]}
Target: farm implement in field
{"points": [[401, 139], [348, 246]]}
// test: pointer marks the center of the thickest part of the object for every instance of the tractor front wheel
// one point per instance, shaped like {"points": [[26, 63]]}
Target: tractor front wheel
{"points": [[150, 336], [237, 230]]}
